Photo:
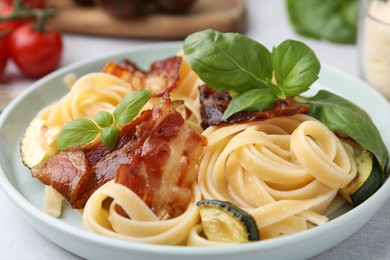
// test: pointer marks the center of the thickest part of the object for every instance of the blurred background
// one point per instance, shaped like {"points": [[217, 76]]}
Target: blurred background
{"points": [[83, 29]]}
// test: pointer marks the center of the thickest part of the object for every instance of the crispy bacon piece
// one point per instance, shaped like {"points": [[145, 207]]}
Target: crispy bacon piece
{"points": [[162, 76], [164, 163], [76, 173], [214, 104], [158, 141]]}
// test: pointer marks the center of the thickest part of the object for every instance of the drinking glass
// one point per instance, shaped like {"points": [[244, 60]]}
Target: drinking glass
{"points": [[374, 43]]}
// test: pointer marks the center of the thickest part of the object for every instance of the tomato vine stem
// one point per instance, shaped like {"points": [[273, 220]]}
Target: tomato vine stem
{"points": [[21, 11]]}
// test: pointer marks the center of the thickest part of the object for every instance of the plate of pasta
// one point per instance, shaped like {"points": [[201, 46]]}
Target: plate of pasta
{"points": [[146, 153]]}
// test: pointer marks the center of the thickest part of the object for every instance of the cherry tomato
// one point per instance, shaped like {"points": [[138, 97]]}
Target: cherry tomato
{"points": [[35, 53], [3, 54], [11, 24]]}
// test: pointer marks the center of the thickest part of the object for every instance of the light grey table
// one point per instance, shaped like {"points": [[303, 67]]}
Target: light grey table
{"points": [[267, 23]]}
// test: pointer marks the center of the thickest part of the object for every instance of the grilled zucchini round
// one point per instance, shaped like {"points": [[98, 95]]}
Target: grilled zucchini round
{"points": [[224, 222], [368, 180], [37, 142]]}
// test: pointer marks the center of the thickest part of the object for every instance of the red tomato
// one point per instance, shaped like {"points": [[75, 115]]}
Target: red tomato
{"points": [[35, 53], [10, 25], [3, 54]]}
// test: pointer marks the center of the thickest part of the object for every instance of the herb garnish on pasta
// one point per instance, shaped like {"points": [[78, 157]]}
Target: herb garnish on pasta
{"points": [[82, 131], [233, 62]]}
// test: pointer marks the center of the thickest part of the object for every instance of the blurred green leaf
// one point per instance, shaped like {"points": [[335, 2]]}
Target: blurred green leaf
{"points": [[331, 20]]}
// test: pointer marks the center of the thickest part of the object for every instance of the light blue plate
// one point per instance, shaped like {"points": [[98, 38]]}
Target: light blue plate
{"points": [[68, 232]]}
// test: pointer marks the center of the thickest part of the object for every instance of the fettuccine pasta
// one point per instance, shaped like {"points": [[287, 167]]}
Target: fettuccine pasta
{"points": [[143, 225], [261, 167], [90, 94], [284, 171]]}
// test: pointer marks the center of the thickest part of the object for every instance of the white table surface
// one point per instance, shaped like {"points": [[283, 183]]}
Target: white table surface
{"points": [[267, 23]]}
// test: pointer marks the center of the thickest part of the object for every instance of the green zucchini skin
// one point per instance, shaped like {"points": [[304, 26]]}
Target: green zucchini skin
{"points": [[241, 215], [370, 186], [369, 178]]}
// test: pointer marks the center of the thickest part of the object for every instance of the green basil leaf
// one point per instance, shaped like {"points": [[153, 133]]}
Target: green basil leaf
{"points": [[276, 90], [129, 107], [104, 119], [251, 100], [228, 61], [296, 67], [77, 132], [335, 20], [342, 116], [109, 136]]}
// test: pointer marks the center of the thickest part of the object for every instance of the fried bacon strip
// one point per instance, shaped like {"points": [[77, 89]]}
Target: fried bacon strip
{"points": [[162, 76], [214, 104], [156, 156], [164, 163]]}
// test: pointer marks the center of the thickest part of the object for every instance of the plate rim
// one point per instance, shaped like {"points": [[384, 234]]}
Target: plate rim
{"points": [[23, 204]]}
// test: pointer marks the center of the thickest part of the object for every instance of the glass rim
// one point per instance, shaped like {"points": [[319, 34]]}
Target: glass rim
{"points": [[364, 4]]}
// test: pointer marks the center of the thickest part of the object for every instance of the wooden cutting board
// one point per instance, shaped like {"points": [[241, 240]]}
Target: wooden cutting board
{"points": [[221, 15]]}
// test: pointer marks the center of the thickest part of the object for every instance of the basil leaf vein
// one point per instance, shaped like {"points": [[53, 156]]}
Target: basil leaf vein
{"points": [[77, 132], [296, 67], [228, 61], [104, 119], [129, 107]]}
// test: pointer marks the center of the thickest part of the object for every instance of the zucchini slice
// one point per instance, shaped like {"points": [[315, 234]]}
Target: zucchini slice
{"points": [[368, 180], [38, 142], [224, 222]]}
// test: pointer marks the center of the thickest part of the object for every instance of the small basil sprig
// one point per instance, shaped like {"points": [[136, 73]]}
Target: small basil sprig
{"points": [[234, 62], [82, 131], [343, 116]]}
